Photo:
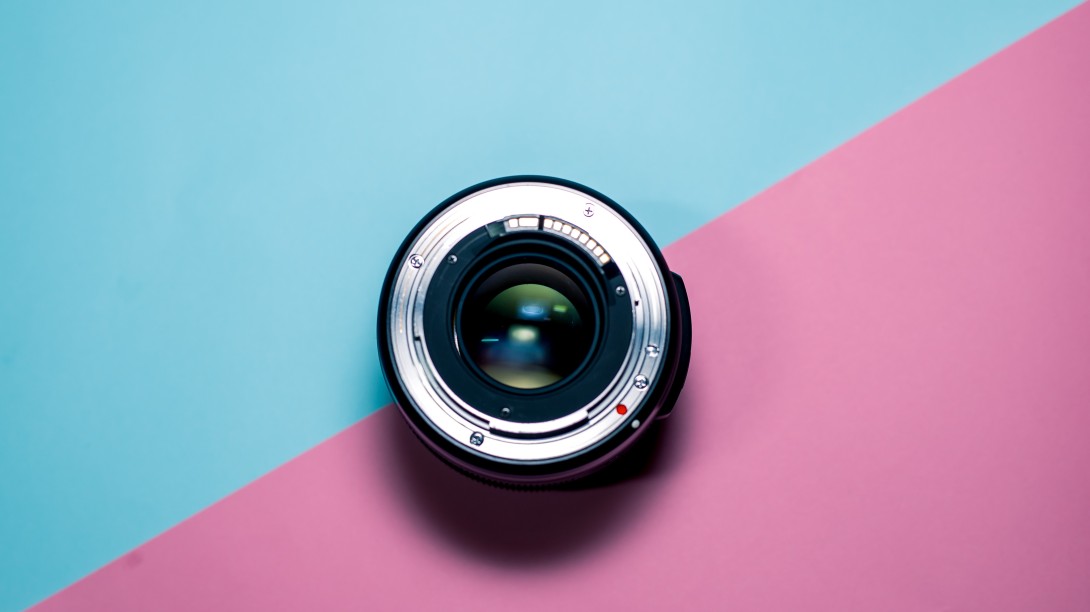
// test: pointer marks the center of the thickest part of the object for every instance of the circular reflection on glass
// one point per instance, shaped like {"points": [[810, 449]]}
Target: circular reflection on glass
{"points": [[527, 326]]}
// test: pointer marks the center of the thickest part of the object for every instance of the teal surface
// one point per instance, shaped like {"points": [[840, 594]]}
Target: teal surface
{"points": [[198, 202]]}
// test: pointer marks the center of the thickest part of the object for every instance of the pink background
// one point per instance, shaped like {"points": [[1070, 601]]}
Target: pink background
{"points": [[888, 409]]}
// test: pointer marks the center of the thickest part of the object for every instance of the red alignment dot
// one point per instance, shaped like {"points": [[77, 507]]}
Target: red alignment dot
{"points": [[621, 409]]}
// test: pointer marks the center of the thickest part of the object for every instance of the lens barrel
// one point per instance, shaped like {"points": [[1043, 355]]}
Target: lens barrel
{"points": [[530, 331]]}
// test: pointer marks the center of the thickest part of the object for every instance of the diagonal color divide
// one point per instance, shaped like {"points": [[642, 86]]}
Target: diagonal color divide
{"points": [[197, 206], [886, 411]]}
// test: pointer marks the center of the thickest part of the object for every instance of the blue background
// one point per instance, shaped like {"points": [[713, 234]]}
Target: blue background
{"points": [[198, 202]]}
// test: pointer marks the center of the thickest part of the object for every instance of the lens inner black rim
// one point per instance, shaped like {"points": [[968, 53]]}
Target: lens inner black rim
{"points": [[592, 312], [476, 251]]}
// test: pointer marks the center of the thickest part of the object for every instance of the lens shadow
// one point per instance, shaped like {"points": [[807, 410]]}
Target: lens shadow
{"points": [[525, 527]]}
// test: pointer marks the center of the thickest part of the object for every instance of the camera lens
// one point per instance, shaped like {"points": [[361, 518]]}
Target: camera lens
{"points": [[530, 331], [527, 325]]}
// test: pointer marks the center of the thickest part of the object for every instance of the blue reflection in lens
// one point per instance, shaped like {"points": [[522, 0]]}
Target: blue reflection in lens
{"points": [[532, 311]]}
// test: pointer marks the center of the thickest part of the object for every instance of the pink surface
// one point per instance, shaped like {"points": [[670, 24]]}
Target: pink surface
{"points": [[888, 409]]}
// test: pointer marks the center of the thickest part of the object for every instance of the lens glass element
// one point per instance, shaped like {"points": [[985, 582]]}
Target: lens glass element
{"points": [[527, 325]]}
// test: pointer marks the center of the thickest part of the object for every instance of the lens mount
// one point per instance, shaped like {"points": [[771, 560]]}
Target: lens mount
{"points": [[530, 330]]}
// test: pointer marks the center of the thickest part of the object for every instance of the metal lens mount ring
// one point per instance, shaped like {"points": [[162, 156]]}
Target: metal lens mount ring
{"points": [[637, 323]]}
